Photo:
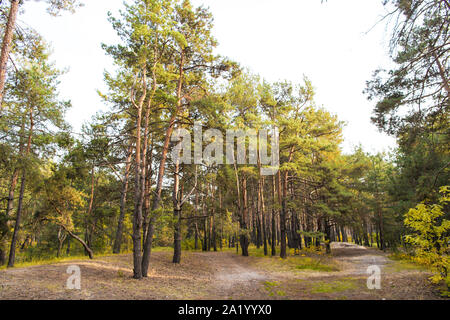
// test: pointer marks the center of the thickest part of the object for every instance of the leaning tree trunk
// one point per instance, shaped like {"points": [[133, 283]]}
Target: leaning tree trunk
{"points": [[12, 251], [85, 246], [6, 46]]}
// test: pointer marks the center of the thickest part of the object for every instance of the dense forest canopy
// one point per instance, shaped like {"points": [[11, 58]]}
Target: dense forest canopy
{"points": [[116, 188]]}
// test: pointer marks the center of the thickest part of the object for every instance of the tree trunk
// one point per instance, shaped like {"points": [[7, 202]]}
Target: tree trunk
{"points": [[68, 247], [86, 247], [6, 46], [12, 251], [205, 236], [274, 225], [196, 236], [123, 201], [137, 214], [177, 236], [87, 235], [2, 257], [327, 236], [344, 234], [263, 217], [148, 241], [177, 197], [244, 235], [441, 69], [283, 253], [61, 238]]}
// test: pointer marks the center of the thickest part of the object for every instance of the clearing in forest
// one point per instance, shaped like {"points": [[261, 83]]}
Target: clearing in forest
{"points": [[226, 275]]}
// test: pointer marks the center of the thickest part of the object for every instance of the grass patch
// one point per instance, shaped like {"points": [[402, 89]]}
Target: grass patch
{"points": [[404, 262], [295, 264], [272, 287], [43, 261], [333, 286], [307, 263], [269, 285]]}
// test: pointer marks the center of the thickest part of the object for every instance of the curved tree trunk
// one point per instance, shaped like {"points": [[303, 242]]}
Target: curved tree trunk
{"points": [[86, 247]]}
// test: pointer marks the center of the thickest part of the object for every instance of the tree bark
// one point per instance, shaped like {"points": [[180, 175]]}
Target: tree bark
{"points": [[442, 74], [6, 46], [156, 202], [244, 227], [283, 253], [12, 251], [137, 214], [177, 236], [87, 235], [263, 217], [177, 214], [123, 201], [274, 224]]}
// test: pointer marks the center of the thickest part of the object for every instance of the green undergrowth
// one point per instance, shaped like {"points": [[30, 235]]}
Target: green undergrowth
{"points": [[402, 262]]}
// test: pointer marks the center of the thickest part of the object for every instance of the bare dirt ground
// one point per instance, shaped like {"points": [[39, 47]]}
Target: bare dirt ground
{"points": [[223, 275]]}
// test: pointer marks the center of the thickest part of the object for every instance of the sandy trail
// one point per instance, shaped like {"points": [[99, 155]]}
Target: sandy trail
{"points": [[217, 275], [355, 259]]}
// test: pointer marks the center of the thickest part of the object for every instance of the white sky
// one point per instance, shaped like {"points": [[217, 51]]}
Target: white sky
{"points": [[278, 39]]}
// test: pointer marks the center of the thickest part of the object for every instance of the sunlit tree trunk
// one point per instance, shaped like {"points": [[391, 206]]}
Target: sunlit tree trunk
{"points": [[137, 215], [148, 241], [6, 46]]}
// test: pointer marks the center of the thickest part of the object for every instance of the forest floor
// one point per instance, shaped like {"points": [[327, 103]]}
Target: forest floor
{"points": [[226, 275]]}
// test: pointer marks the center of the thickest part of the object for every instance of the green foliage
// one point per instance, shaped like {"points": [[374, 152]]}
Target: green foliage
{"points": [[56, 6], [420, 77], [431, 235]]}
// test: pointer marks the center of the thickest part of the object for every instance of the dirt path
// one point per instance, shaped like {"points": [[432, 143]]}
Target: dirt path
{"points": [[234, 278], [222, 275], [355, 259]]}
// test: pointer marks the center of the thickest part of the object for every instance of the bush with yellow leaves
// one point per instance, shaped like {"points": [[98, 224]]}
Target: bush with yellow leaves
{"points": [[431, 235]]}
